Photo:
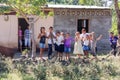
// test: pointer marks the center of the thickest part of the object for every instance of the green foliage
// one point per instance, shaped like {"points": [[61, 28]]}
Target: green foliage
{"points": [[4, 9], [30, 70], [91, 2], [114, 21], [68, 2], [24, 7]]}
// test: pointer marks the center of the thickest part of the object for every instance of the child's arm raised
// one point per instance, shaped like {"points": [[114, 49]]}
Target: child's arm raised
{"points": [[99, 37]]}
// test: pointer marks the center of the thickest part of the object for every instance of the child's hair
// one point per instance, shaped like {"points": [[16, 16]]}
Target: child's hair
{"points": [[76, 33], [87, 36], [83, 29], [51, 27], [111, 33], [41, 29], [68, 33], [58, 32]]}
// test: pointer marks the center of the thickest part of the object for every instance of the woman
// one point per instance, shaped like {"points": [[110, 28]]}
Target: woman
{"points": [[42, 37]]}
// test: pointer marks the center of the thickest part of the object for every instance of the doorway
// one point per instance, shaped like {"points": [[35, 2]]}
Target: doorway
{"points": [[23, 24], [83, 23]]}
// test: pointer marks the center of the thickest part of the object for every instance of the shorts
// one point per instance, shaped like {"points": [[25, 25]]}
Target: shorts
{"points": [[113, 46], [86, 48], [42, 45], [67, 49], [60, 48], [56, 47]]}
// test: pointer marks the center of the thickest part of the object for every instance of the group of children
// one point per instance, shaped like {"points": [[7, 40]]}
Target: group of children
{"points": [[62, 43], [85, 43]]}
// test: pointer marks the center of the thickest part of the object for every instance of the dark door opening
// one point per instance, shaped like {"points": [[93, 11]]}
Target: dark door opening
{"points": [[23, 24], [83, 23]]}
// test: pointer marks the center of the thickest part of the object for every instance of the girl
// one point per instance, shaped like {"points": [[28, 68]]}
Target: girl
{"points": [[78, 46], [93, 42], [59, 45], [20, 38], [67, 45], [86, 42], [42, 37]]}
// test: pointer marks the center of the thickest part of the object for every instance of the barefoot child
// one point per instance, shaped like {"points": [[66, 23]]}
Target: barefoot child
{"points": [[42, 37], [59, 45], [86, 43], [78, 46], [67, 45], [93, 46]]}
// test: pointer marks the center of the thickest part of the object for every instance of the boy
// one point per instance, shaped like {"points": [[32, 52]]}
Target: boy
{"points": [[51, 40]]}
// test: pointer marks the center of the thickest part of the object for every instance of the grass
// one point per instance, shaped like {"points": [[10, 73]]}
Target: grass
{"points": [[26, 69]]}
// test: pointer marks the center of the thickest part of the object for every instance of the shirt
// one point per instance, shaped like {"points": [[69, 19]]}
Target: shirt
{"points": [[20, 33], [83, 35], [43, 39], [59, 40], [113, 40], [67, 42], [27, 34], [49, 39], [86, 42], [93, 43]]}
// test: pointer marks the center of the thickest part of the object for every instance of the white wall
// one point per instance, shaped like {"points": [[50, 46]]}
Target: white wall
{"points": [[8, 31]]}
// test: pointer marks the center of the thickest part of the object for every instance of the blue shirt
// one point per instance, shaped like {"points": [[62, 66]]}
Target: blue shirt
{"points": [[27, 34], [113, 40]]}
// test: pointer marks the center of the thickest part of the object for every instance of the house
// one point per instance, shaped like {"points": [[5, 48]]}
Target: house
{"points": [[67, 18]]}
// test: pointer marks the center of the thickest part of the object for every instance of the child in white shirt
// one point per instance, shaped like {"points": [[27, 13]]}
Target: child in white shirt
{"points": [[59, 45], [86, 42]]}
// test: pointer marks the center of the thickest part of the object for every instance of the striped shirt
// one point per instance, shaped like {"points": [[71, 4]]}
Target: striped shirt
{"points": [[27, 34]]}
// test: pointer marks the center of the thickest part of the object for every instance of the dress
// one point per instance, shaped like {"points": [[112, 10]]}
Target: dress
{"points": [[78, 47]]}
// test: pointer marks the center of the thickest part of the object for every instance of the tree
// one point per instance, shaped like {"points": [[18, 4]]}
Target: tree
{"points": [[118, 14], [91, 2], [31, 10]]}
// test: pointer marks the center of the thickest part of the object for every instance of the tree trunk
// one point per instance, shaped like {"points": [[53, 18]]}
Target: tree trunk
{"points": [[33, 38]]}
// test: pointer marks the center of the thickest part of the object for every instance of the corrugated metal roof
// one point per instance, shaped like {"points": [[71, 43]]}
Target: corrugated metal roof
{"points": [[76, 7]]}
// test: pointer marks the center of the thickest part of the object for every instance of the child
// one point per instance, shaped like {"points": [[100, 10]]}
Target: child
{"points": [[67, 45], [113, 42], [51, 41], [59, 45], [42, 37], [78, 46], [27, 37], [20, 38], [86, 42], [93, 46]]}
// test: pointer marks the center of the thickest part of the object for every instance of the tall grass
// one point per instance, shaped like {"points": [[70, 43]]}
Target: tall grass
{"points": [[31, 70]]}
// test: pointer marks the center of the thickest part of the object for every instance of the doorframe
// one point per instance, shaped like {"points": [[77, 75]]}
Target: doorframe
{"points": [[83, 19], [18, 30]]}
